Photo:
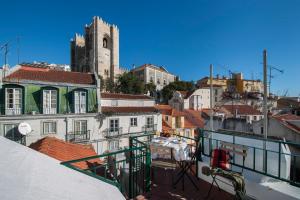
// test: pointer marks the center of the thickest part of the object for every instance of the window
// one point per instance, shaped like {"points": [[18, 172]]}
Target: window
{"points": [[80, 101], [216, 92], [13, 99], [49, 101], [187, 133], [167, 118], [106, 72], [133, 121], [11, 131], [261, 130], [49, 127], [254, 118], [113, 125], [113, 145], [165, 82], [80, 127], [158, 81], [104, 42], [149, 122]]}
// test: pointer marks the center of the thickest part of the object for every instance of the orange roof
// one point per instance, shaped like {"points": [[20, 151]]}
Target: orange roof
{"points": [[193, 119], [106, 95], [50, 75], [168, 110], [241, 109], [65, 151]]}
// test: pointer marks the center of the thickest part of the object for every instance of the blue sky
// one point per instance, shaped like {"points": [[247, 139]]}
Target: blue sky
{"points": [[184, 36]]}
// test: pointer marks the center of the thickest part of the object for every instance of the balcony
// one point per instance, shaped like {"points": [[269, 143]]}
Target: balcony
{"points": [[131, 172], [13, 111], [78, 136], [149, 128], [113, 133]]}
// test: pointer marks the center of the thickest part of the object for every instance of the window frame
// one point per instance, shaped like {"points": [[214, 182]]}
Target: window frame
{"points": [[114, 128], [133, 122], [82, 123], [81, 106], [116, 145], [45, 103], [49, 132], [14, 110]]}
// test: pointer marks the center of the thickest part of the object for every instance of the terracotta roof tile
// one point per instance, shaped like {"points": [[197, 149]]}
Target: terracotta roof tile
{"points": [[50, 75], [65, 151], [193, 119], [108, 109], [164, 109], [241, 109], [106, 95]]}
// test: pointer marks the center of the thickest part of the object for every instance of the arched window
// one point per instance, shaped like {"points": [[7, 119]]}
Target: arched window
{"points": [[104, 42]]}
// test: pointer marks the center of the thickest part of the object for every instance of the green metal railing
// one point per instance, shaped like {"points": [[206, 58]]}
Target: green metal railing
{"points": [[128, 169], [278, 159]]}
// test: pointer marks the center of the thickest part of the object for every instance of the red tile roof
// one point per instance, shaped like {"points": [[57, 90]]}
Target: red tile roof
{"points": [[164, 109], [108, 109], [65, 151], [168, 110], [106, 95], [193, 119], [241, 109], [287, 120], [50, 75]]}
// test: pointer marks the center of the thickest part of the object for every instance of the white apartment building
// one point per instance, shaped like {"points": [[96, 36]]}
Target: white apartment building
{"points": [[125, 115], [159, 76], [196, 100]]}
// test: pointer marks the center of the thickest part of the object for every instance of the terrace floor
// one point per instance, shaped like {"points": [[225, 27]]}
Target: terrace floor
{"points": [[162, 189]]}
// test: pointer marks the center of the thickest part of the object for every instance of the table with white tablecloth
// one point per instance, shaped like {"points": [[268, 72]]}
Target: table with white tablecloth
{"points": [[179, 148]]}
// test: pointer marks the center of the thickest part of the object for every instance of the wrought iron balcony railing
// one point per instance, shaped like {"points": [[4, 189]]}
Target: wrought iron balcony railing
{"points": [[149, 128], [128, 169], [78, 136], [17, 138], [281, 158], [113, 132]]}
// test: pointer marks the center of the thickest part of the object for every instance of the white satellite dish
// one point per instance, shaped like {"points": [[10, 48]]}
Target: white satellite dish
{"points": [[24, 128]]}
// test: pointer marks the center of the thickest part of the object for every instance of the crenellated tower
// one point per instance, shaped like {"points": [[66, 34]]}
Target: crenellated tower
{"points": [[100, 44]]}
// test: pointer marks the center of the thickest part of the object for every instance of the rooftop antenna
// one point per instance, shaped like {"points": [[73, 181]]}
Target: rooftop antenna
{"points": [[5, 49], [18, 48], [271, 67]]}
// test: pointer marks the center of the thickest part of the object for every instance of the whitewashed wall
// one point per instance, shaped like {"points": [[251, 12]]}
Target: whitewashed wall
{"points": [[64, 125], [127, 102]]}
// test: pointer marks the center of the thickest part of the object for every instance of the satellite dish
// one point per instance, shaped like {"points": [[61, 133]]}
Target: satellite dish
{"points": [[24, 128]]}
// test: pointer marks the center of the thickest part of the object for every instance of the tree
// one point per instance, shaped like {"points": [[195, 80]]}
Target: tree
{"points": [[149, 87], [110, 85], [128, 83], [102, 83], [168, 90]]}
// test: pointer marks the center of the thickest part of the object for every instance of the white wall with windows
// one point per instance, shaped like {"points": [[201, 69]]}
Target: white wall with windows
{"points": [[126, 125], [51, 125]]}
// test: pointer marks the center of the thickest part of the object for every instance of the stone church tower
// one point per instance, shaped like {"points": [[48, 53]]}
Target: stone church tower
{"points": [[97, 50]]}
